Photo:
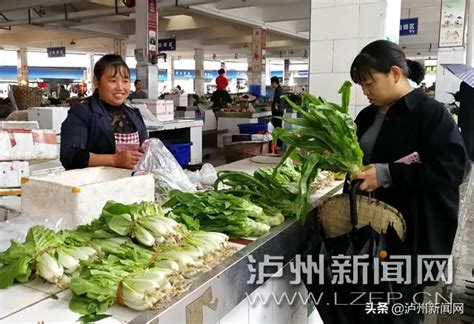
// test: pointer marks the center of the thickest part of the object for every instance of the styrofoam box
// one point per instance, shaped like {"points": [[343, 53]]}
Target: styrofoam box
{"points": [[11, 173], [19, 124], [48, 117], [35, 144], [178, 100], [162, 109], [76, 197]]}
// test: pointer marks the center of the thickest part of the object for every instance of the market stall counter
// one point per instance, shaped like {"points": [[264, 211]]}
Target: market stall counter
{"points": [[212, 297], [231, 121]]}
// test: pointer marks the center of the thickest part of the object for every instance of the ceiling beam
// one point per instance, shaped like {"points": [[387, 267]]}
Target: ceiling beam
{"points": [[234, 4]]}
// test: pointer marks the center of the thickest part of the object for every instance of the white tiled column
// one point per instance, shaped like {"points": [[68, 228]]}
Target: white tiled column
{"points": [[199, 67], [120, 48], [22, 66], [259, 46], [445, 80], [146, 72], [339, 30]]}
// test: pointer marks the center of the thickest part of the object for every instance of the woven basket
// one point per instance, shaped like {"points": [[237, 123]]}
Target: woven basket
{"points": [[335, 218], [241, 150], [26, 97]]}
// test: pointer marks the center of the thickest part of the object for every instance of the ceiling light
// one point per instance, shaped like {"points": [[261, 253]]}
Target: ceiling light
{"points": [[72, 42]]}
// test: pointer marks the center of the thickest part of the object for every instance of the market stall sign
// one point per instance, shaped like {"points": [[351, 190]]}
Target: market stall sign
{"points": [[408, 26], [168, 44], [56, 51]]}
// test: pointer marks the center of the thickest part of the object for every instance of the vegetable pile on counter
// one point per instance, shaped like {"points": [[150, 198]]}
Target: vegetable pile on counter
{"points": [[221, 212], [325, 139], [131, 255]]}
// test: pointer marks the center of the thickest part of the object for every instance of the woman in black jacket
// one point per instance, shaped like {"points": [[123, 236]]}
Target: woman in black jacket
{"points": [[102, 130], [413, 151]]}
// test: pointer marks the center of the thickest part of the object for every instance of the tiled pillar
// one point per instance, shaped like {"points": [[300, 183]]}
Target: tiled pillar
{"points": [[259, 46], [22, 66], [199, 67], [120, 48], [146, 34], [445, 81], [339, 30]]}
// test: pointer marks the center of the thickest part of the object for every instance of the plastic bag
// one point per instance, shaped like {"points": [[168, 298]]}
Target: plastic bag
{"points": [[168, 173], [203, 178]]}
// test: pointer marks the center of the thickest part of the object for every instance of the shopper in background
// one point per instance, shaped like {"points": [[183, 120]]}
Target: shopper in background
{"points": [[139, 93], [63, 93], [221, 80], [221, 98], [277, 107], [465, 96], [407, 125], [102, 130]]}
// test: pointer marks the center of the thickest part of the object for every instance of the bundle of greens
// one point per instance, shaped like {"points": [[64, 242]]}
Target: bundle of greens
{"points": [[106, 282], [274, 192], [216, 211], [143, 221], [140, 278], [325, 139], [43, 254]]}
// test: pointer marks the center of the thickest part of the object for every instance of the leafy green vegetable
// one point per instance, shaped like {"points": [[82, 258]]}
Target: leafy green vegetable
{"points": [[274, 192], [325, 140], [220, 212], [143, 221]]}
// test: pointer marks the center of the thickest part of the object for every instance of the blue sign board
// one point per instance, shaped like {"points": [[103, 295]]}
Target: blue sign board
{"points": [[408, 26], [168, 44], [56, 51]]}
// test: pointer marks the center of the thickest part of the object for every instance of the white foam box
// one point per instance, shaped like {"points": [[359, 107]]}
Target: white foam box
{"points": [[76, 197], [19, 124], [28, 144], [178, 100], [48, 117], [11, 173], [162, 109]]}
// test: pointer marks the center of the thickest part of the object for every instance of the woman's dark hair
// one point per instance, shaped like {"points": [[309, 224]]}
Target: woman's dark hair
{"points": [[221, 71], [275, 79], [380, 56], [111, 60]]}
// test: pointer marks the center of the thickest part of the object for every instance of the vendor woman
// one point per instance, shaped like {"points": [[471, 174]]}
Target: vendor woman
{"points": [[413, 151], [102, 130]]}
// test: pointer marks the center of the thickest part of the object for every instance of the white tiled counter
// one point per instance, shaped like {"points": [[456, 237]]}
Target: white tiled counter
{"points": [[222, 295]]}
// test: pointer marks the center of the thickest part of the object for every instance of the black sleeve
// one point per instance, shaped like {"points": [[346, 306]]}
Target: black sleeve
{"points": [[444, 158], [74, 138]]}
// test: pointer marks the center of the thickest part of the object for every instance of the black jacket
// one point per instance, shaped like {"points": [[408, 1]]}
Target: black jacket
{"points": [[426, 194], [465, 96], [87, 129]]}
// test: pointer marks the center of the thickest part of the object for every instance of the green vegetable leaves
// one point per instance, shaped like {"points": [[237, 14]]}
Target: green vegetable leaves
{"points": [[326, 139]]}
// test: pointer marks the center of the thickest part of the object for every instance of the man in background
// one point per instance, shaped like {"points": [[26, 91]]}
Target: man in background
{"points": [[277, 107], [139, 93], [221, 80]]}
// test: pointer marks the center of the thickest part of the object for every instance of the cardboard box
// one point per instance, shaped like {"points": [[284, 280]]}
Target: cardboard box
{"points": [[48, 117], [76, 197], [11, 173]]}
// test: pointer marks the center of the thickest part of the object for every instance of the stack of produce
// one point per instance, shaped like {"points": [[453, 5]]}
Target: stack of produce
{"points": [[217, 211], [43, 254], [145, 222], [103, 265], [274, 192], [326, 139]]}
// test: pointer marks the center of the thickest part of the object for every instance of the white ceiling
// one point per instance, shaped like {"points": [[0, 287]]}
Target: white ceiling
{"points": [[221, 27]]}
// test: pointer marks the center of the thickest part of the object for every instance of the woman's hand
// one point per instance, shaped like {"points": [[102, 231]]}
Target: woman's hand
{"points": [[369, 175], [126, 159]]}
